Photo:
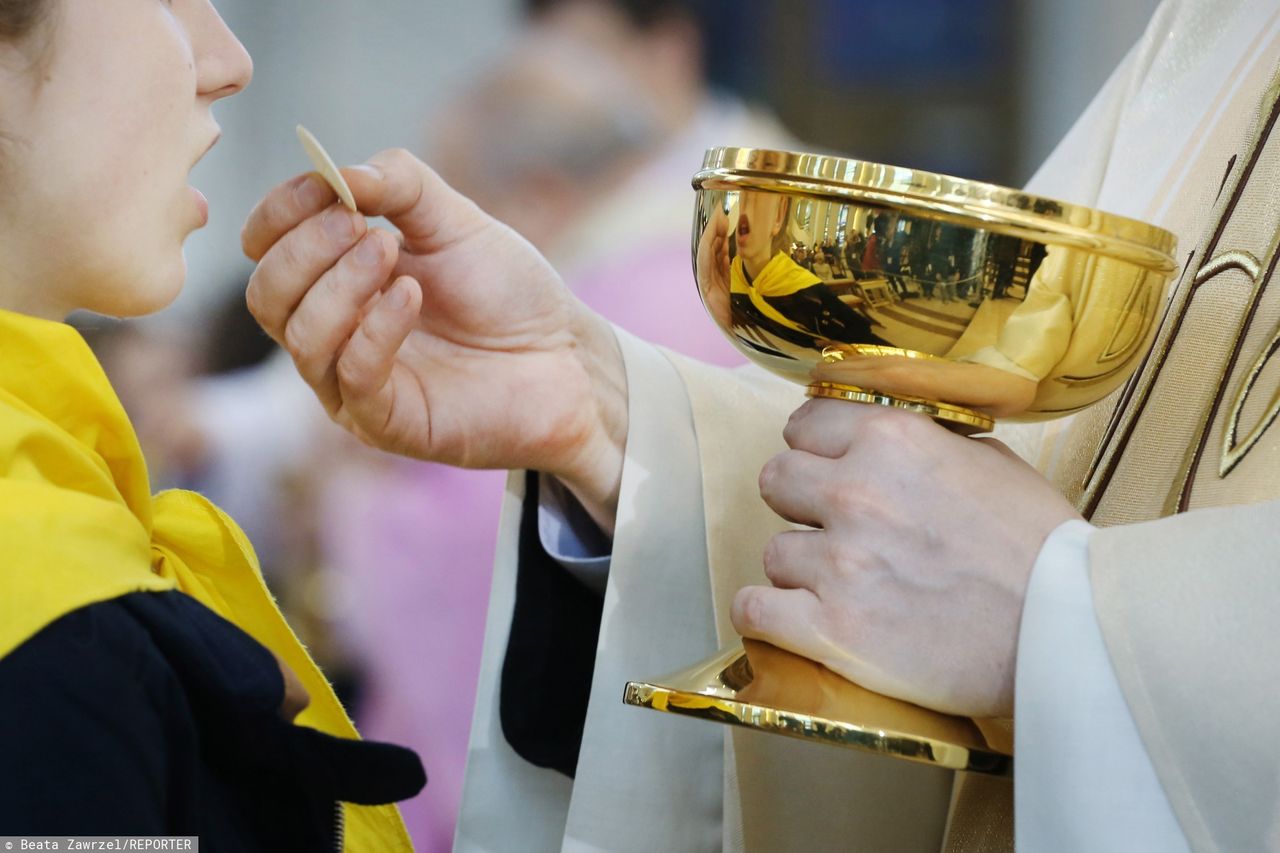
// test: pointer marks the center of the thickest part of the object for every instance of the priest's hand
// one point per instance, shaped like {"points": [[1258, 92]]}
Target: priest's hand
{"points": [[913, 583], [452, 341]]}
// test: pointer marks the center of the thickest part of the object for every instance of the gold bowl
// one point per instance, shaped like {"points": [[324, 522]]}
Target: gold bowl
{"points": [[960, 299]]}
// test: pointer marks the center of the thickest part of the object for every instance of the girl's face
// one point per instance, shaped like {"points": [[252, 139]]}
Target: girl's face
{"points": [[101, 132], [760, 220]]}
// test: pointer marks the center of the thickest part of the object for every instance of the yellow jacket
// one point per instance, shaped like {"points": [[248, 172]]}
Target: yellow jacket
{"points": [[78, 525]]}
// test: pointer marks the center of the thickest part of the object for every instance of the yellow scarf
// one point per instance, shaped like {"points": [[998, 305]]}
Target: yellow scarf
{"points": [[780, 277], [78, 525]]}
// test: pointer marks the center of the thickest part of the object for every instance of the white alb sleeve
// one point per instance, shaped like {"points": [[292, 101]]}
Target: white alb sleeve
{"points": [[570, 536], [1083, 778]]}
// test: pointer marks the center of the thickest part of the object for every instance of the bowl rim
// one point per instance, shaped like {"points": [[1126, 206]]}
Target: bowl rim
{"points": [[941, 197]]}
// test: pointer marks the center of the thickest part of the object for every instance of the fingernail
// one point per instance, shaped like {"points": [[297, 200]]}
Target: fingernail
{"points": [[369, 252], [370, 170], [339, 225], [309, 193], [398, 296]]}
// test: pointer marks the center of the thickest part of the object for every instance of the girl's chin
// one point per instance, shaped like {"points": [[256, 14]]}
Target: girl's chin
{"points": [[145, 296]]}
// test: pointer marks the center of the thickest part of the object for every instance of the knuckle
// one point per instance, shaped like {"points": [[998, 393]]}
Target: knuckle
{"points": [[295, 340], [748, 610], [844, 500], [772, 559], [253, 297], [257, 300], [792, 432], [883, 426], [396, 159], [845, 555], [770, 474], [249, 241], [350, 367], [765, 480]]}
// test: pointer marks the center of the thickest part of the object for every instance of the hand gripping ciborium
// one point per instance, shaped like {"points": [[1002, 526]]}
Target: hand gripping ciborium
{"points": [[888, 286]]}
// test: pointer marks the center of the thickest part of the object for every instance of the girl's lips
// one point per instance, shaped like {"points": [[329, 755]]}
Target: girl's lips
{"points": [[202, 206]]}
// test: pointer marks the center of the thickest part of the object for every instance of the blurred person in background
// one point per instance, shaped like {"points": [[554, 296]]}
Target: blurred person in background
{"points": [[821, 268], [584, 139]]}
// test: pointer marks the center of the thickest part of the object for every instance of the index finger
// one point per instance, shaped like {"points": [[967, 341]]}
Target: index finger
{"points": [[281, 210]]}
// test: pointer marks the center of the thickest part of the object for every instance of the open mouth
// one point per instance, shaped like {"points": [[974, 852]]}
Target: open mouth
{"points": [[744, 227]]}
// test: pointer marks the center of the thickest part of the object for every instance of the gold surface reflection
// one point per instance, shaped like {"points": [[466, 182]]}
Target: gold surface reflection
{"points": [[962, 299], [760, 686]]}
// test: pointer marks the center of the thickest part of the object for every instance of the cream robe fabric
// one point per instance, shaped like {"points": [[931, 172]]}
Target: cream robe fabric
{"points": [[1186, 604], [649, 781], [626, 791], [1183, 603]]}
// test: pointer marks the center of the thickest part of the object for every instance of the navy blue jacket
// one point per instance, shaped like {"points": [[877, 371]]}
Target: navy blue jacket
{"points": [[151, 715]]}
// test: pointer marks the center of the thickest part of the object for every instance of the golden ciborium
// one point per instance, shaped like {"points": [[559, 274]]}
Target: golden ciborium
{"points": [[888, 286]]}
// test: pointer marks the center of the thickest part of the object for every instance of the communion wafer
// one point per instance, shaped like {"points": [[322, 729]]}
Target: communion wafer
{"points": [[325, 166]]}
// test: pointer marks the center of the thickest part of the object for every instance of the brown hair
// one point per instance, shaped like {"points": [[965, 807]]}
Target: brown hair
{"points": [[19, 18]]}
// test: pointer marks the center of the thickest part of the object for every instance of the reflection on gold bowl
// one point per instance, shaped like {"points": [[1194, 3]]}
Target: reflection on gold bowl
{"points": [[762, 687], [960, 299]]}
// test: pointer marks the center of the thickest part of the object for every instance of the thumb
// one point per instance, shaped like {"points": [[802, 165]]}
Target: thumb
{"points": [[427, 211]]}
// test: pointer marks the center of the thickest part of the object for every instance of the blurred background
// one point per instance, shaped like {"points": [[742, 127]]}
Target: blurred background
{"points": [[579, 122]]}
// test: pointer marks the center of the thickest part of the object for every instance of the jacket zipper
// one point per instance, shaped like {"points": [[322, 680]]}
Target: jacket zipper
{"points": [[339, 826]]}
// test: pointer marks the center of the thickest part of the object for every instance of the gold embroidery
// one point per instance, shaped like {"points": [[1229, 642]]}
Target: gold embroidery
{"points": [[1233, 453], [1137, 394], [1243, 261], [1179, 496]]}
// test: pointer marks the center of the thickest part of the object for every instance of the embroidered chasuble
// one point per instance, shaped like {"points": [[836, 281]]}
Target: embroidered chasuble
{"points": [[1184, 609], [1194, 429]]}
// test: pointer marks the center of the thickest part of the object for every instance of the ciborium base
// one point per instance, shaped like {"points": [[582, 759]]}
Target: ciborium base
{"points": [[958, 418], [760, 686]]}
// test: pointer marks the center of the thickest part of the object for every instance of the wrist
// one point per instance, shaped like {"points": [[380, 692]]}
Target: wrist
{"points": [[593, 471]]}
